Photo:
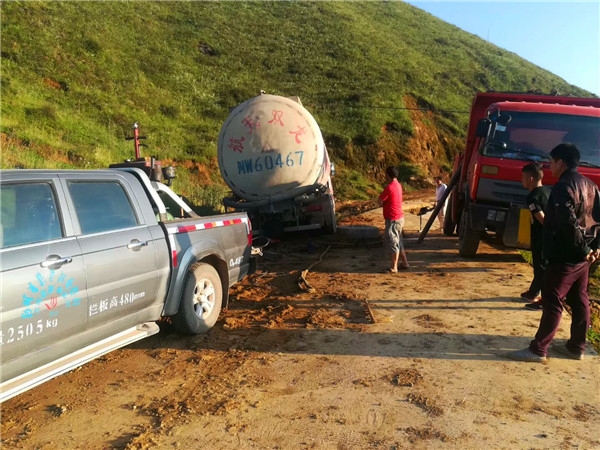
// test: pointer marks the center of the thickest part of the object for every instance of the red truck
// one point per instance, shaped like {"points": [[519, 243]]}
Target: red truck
{"points": [[506, 131]]}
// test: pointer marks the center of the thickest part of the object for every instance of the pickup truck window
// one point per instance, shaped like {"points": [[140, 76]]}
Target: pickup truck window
{"points": [[28, 214], [102, 206]]}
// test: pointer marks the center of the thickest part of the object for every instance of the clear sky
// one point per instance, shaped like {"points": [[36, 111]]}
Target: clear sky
{"points": [[561, 37]]}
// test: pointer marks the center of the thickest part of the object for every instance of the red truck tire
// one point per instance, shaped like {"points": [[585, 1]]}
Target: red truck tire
{"points": [[449, 224], [468, 239]]}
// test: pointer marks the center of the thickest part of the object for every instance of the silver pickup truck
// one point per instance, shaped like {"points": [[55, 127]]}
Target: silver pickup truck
{"points": [[91, 259]]}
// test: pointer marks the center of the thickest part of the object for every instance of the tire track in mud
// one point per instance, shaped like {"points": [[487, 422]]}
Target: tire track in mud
{"points": [[216, 386]]}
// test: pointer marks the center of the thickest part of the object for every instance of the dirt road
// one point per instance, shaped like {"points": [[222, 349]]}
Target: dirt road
{"points": [[356, 359]]}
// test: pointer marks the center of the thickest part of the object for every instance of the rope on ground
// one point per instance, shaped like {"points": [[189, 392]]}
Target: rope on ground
{"points": [[302, 283], [370, 311]]}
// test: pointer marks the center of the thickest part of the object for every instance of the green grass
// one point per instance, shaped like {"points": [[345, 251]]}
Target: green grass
{"points": [[77, 75], [593, 335]]}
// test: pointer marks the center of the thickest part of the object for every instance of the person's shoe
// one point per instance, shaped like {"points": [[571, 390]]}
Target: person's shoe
{"points": [[534, 306], [529, 297], [564, 351], [526, 355]]}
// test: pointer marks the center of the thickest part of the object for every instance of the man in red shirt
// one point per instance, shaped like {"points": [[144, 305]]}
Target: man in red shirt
{"points": [[391, 200]]}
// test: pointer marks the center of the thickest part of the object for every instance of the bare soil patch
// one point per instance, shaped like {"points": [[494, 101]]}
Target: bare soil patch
{"points": [[355, 359]]}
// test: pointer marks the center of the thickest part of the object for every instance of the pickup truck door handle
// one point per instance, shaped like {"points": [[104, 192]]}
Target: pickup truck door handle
{"points": [[55, 261], [137, 245]]}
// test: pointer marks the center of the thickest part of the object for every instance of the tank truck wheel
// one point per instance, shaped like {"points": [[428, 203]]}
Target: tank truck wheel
{"points": [[330, 225], [468, 239], [449, 225], [328, 221], [201, 300], [330, 228]]}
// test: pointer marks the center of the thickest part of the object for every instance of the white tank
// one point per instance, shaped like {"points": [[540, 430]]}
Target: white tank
{"points": [[271, 147]]}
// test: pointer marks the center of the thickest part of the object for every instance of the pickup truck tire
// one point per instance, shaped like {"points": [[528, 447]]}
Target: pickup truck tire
{"points": [[201, 300], [468, 239]]}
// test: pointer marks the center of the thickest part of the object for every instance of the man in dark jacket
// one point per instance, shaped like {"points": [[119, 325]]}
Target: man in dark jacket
{"points": [[571, 236]]}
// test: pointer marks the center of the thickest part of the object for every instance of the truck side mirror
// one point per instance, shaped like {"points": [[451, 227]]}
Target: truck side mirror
{"points": [[482, 127], [504, 119]]}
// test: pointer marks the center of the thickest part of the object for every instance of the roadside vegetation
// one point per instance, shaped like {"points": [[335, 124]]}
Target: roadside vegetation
{"points": [[387, 83], [594, 286], [77, 75]]}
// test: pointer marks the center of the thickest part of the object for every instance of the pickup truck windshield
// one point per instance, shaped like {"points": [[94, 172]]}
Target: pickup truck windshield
{"points": [[531, 136]]}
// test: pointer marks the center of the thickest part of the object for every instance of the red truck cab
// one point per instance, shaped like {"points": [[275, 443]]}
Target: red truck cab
{"points": [[507, 131]]}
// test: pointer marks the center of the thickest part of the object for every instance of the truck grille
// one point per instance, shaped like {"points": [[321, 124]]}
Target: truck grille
{"points": [[501, 192]]}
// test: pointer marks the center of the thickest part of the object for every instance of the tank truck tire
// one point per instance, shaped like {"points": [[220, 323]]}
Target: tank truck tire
{"points": [[329, 228], [330, 225], [468, 239], [201, 300]]}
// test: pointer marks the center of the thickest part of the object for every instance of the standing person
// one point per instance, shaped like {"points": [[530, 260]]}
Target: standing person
{"points": [[537, 199], [571, 236], [391, 200], [440, 188]]}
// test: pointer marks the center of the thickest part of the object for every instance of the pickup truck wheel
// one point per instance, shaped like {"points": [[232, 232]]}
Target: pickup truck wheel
{"points": [[201, 300], [468, 239]]}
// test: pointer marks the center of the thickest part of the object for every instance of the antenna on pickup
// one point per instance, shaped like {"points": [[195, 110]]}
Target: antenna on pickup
{"points": [[151, 165], [136, 140]]}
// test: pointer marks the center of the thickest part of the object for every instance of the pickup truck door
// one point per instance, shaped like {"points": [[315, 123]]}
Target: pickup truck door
{"points": [[120, 254], [43, 282]]}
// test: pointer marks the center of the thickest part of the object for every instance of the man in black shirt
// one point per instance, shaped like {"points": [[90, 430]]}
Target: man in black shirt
{"points": [[571, 236], [537, 199]]}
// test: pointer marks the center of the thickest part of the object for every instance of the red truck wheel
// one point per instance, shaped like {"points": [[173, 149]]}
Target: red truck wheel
{"points": [[468, 239], [201, 300], [449, 224]]}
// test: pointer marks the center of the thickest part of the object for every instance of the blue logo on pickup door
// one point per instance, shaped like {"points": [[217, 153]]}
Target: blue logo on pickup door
{"points": [[45, 292]]}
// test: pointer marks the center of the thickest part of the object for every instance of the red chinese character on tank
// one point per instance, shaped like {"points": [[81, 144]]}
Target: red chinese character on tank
{"points": [[237, 145], [299, 132], [250, 124], [277, 117]]}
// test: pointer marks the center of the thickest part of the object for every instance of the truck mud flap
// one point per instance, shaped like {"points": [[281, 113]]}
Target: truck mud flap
{"points": [[517, 228]]}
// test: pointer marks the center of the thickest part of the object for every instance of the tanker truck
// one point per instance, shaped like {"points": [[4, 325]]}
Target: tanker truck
{"points": [[272, 156]]}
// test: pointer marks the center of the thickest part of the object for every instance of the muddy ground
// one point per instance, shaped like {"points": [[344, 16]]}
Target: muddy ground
{"points": [[346, 358]]}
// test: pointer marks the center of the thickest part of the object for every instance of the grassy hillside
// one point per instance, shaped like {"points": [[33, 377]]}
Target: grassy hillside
{"points": [[387, 82]]}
